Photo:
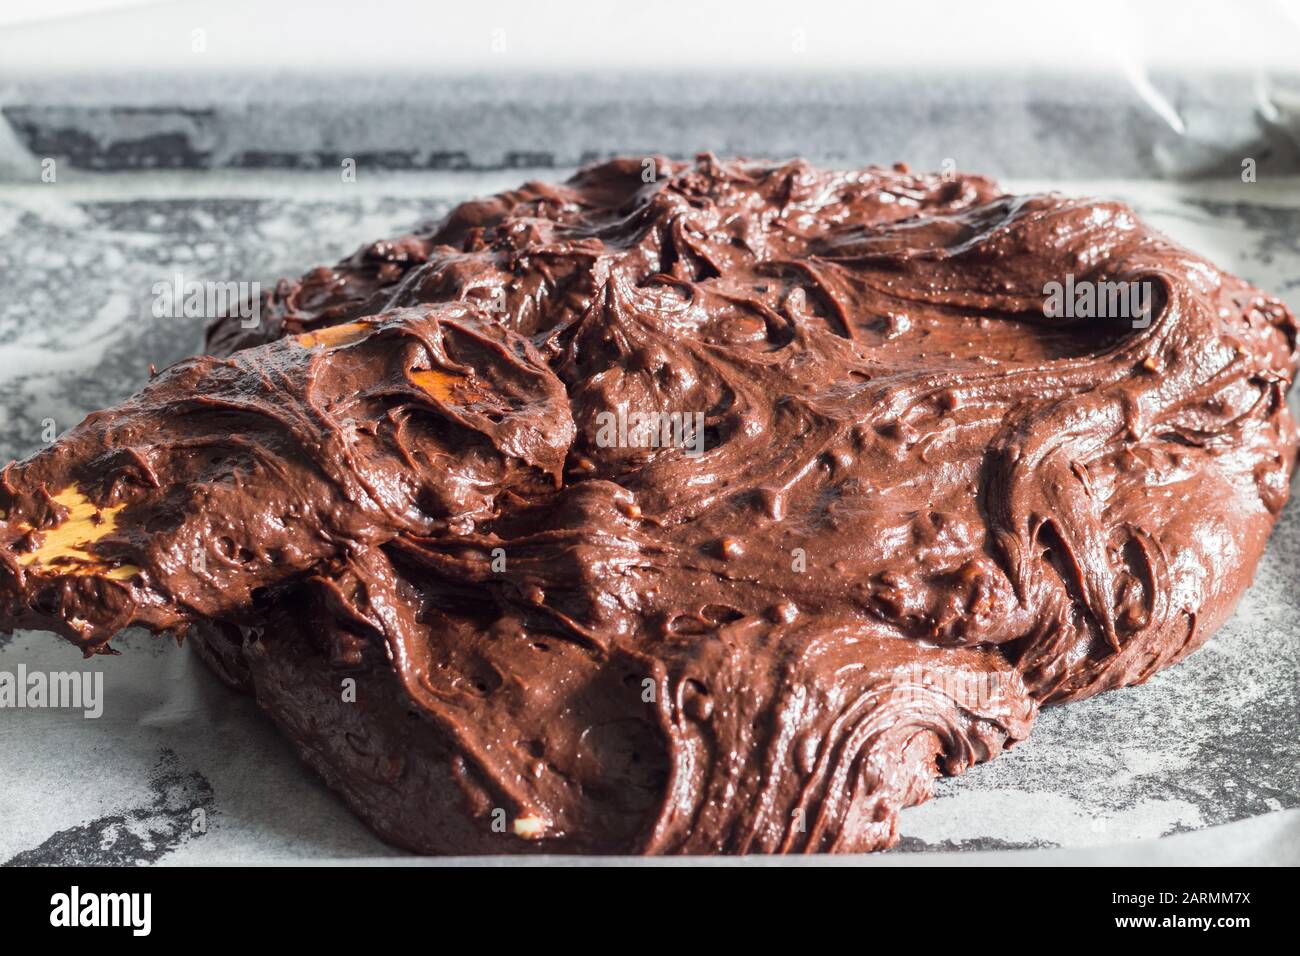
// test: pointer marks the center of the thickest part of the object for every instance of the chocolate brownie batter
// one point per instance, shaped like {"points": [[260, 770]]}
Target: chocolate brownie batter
{"points": [[683, 508]]}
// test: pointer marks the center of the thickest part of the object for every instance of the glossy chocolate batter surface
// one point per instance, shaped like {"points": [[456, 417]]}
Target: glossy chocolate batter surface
{"points": [[718, 512]]}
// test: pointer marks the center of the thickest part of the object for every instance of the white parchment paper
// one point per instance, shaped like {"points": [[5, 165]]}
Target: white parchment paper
{"points": [[1202, 764]]}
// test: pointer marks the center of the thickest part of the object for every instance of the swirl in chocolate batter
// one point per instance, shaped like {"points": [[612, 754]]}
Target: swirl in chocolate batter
{"points": [[920, 509]]}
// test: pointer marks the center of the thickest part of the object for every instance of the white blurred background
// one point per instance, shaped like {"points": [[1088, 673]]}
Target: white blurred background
{"points": [[813, 35]]}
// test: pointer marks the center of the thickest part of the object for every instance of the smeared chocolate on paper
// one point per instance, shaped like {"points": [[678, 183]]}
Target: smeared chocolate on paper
{"points": [[920, 508]]}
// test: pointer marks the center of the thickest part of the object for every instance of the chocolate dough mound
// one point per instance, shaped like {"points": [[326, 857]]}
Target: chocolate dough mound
{"points": [[684, 508]]}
